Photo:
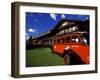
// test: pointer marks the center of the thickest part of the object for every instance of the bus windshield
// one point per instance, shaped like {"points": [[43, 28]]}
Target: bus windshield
{"points": [[85, 38]]}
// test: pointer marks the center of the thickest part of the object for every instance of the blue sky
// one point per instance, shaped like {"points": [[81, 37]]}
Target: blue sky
{"points": [[37, 23]]}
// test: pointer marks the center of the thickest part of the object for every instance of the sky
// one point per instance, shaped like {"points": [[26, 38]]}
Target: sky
{"points": [[37, 23]]}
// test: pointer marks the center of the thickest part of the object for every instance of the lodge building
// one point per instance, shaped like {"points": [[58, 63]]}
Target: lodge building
{"points": [[63, 27]]}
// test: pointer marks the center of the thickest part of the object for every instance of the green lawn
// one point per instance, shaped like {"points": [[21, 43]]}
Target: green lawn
{"points": [[42, 57]]}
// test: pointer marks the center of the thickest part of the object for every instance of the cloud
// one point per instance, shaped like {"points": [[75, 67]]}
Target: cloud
{"points": [[63, 16], [53, 16], [27, 36], [32, 30], [83, 17]]}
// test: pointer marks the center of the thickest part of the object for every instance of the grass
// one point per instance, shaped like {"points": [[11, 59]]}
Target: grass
{"points": [[42, 57]]}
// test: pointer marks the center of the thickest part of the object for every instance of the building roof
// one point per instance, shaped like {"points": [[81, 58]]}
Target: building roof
{"points": [[62, 21]]}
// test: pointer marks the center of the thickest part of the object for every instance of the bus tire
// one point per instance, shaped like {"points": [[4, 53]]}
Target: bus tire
{"points": [[67, 59]]}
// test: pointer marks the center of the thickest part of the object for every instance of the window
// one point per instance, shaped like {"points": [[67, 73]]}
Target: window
{"points": [[58, 41], [55, 41], [68, 39], [62, 40], [85, 39], [75, 39]]}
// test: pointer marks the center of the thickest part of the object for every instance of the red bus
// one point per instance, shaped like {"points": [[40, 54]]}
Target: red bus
{"points": [[73, 47]]}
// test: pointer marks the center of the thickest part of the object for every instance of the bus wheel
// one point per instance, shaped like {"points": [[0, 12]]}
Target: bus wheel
{"points": [[67, 59]]}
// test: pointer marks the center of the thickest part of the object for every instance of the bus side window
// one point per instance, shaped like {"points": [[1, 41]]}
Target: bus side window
{"points": [[58, 41], [62, 40], [55, 41], [68, 39], [75, 39]]}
